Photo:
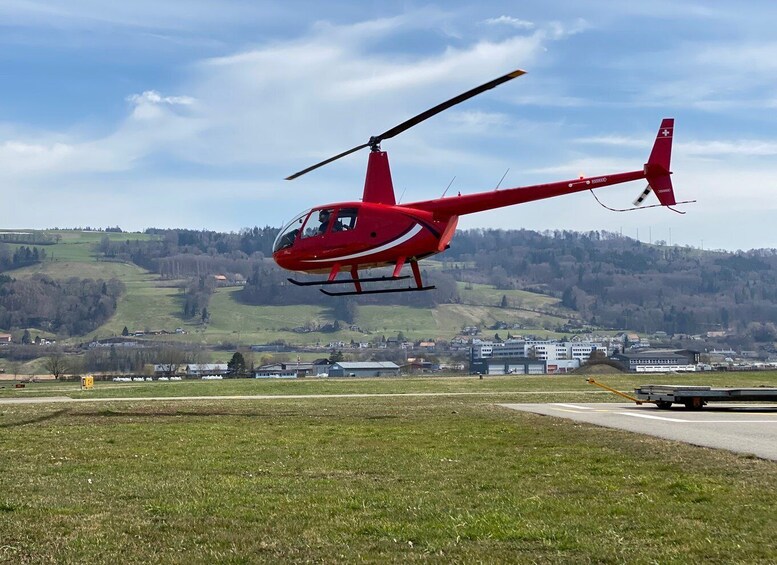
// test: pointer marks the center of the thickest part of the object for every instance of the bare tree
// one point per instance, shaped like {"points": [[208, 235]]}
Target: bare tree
{"points": [[56, 364], [170, 359], [199, 354], [12, 367], [250, 360]]}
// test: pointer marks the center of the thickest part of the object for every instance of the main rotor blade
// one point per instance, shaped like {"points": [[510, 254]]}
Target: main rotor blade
{"points": [[396, 130], [322, 163]]}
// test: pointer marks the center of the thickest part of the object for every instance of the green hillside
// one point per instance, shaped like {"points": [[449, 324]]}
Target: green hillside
{"points": [[151, 304]]}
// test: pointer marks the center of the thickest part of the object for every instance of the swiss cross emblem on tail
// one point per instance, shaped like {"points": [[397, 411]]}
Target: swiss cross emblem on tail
{"points": [[657, 169]]}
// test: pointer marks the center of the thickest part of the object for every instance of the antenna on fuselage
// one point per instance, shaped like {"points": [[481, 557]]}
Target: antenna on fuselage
{"points": [[503, 178], [447, 187]]}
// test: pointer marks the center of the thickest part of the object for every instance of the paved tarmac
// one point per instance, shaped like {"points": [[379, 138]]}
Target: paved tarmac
{"points": [[742, 428]]}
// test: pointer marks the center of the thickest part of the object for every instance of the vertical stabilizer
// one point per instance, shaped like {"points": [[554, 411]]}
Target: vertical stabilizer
{"points": [[657, 169], [377, 184]]}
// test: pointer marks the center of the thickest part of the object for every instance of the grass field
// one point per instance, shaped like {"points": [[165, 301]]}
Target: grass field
{"points": [[487, 295], [445, 479], [573, 386]]}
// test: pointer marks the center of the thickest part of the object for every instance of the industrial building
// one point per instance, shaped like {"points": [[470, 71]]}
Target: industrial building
{"points": [[529, 357], [658, 361], [364, 369], [508, 366]]}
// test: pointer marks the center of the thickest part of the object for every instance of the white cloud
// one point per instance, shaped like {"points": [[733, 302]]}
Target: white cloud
{"points": [[511, 21], [479, 121], [141, 14], [23, 156], [153, 97], [22, 159], [298, 102], [559, 30], [153, 127], [749, 58], [282, 105], [615, 140], [744, 147]]}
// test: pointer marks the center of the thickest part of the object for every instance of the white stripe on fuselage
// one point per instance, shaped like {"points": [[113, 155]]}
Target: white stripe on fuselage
{"points": [[385, 247]]}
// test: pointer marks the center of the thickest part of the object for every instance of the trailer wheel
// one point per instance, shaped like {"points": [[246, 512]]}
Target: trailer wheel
{"points": [[664, 404], [694, 403]]}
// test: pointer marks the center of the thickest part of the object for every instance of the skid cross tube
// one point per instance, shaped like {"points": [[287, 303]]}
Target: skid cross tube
{"points": [[346, 281]]}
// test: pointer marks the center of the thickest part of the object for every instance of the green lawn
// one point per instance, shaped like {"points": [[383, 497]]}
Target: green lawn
{"points": [[444, 479], [234, 322]]}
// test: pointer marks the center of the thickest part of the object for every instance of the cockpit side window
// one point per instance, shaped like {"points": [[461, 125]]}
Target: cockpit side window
{"points": [[346, 220], [318, 222]]}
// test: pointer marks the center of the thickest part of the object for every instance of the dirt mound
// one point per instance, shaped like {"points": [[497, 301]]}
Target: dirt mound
{"points": [[597, 369]]}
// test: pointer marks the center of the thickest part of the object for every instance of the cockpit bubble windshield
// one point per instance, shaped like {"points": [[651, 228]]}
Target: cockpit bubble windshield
{"points": [[288, 233]]}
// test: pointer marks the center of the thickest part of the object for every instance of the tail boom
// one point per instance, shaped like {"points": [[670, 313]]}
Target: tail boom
{"points": [[656, 171]]}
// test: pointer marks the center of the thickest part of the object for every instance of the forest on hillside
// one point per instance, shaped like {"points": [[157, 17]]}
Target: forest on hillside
{"points": [[70, 307], [618, 282], [65, 307], [610, 280]]}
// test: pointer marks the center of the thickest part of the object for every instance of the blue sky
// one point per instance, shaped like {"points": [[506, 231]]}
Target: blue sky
{"points": [[191, 113]]}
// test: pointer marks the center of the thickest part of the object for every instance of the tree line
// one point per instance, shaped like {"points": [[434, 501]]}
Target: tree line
{"points": [[21, 256]]}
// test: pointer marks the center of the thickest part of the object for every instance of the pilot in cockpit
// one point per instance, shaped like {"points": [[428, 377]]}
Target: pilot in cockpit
{"points": [[323, 217]]}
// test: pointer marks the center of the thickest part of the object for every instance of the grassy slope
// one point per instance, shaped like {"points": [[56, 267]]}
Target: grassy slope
{"points": [[436, 479], [150, 304]]}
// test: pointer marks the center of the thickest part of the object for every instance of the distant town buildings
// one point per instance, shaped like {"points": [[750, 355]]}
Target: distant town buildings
{"points": [[527, 356]]}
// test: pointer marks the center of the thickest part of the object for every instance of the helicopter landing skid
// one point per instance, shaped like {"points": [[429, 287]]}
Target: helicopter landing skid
{"points": [[378, 291], [357, 282]]}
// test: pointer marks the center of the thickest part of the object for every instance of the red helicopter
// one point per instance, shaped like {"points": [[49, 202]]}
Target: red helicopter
{"points": [[378, 232]]}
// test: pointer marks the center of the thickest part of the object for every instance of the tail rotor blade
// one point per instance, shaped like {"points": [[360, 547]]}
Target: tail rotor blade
{"points": [[641, 198]]}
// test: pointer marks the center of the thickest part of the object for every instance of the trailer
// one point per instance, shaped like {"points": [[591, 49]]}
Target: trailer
{"points": [[695, 397]]}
